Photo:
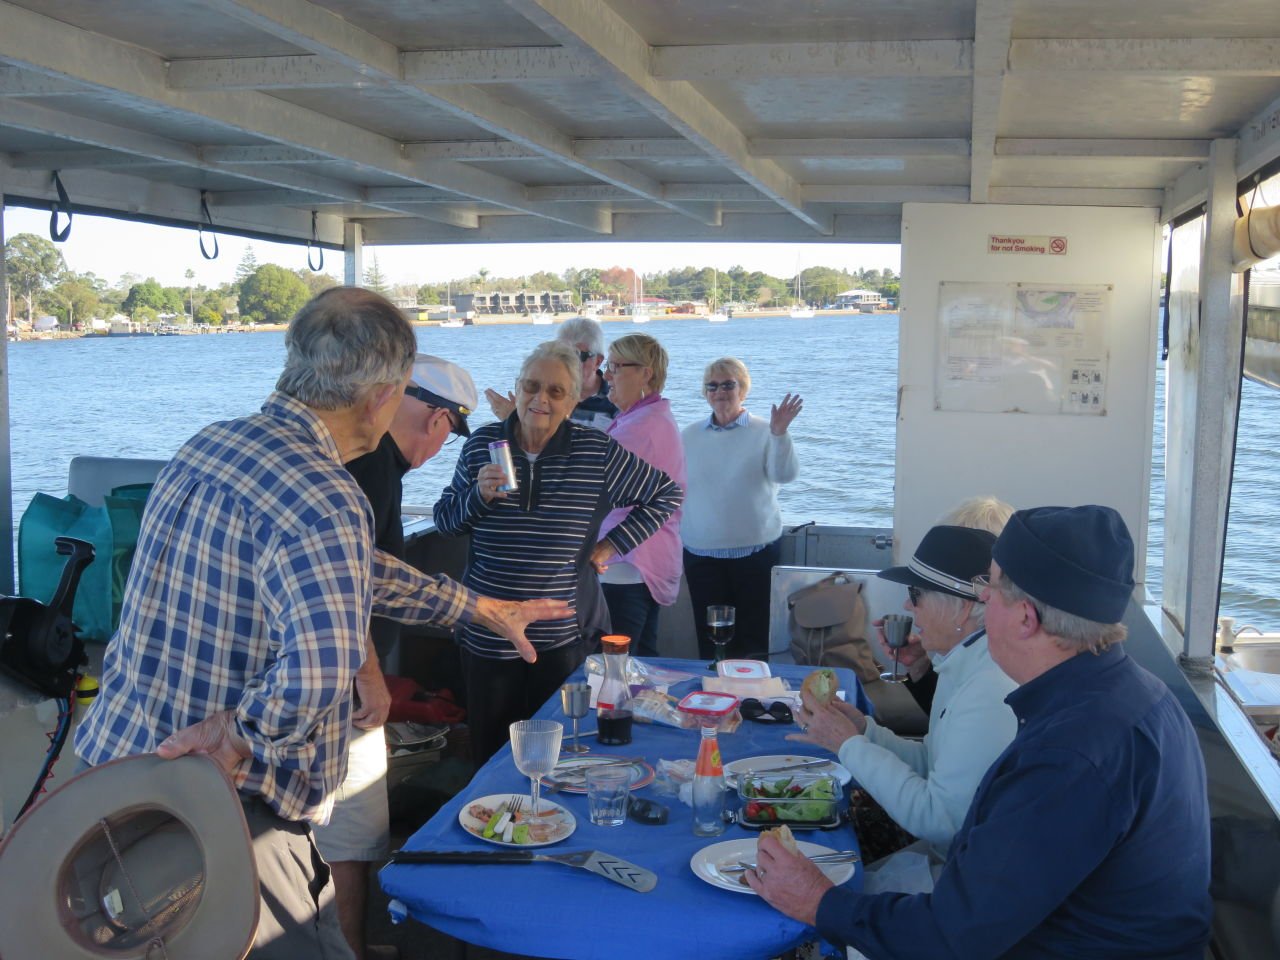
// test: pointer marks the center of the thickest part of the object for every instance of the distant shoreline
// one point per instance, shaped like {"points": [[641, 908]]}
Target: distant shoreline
{"points": [[481, 321]]}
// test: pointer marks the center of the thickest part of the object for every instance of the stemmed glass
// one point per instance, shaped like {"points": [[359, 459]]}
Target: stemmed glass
{"points": [[897, 631], [535, 746], [720, 622], [575, 700]]}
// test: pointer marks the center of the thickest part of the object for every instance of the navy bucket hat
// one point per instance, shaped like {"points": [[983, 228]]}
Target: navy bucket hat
{"points": [[947, 560], [1077, 559]]}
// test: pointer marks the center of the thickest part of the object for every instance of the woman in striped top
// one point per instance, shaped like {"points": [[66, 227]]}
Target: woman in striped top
{"points": [[537, 540]]}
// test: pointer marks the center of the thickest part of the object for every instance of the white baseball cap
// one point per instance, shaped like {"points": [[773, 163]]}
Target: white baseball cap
{"points": [[438, 382]]}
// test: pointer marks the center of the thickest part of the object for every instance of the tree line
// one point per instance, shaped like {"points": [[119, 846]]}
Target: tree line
{"points": [[40, 283]]}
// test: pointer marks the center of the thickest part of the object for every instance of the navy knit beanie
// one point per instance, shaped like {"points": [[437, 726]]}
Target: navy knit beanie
{"points": [[1078, 559]]}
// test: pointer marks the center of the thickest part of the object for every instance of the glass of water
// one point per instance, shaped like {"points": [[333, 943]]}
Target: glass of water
{"points": [[608, 787]]}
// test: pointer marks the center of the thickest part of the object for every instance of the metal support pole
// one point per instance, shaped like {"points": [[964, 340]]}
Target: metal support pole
{"points": [[353, 254], [7, 580], [1219, 346]]}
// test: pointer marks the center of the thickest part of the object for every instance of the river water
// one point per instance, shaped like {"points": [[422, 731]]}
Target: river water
{"points": [[143, 396]]}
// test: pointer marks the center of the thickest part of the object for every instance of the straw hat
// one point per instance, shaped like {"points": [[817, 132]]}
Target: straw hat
{"points": [[170, 874]]}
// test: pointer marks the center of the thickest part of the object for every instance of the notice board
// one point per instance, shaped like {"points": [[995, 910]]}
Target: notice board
{"points": [[1022, 348]]}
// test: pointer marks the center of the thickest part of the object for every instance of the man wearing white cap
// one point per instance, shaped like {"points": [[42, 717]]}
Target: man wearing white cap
{"points": [[437, 400]]}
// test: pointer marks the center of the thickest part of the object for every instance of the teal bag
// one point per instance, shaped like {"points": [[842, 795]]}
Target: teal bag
{"points": [[112, 529]]}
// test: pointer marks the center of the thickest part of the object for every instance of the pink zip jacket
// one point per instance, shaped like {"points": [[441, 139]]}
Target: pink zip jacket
{"points": [[649, 431]]}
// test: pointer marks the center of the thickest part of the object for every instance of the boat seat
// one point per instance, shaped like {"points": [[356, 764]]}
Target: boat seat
{"points": [[92, 478], [895, 707]]}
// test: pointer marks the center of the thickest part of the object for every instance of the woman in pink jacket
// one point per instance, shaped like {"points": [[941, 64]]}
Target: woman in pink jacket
{"points": [[637, 584]]}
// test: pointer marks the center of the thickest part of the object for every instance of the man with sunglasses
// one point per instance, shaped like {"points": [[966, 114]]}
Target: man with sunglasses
{"points": [[1089, 835], [594, 408], [437, 400]]}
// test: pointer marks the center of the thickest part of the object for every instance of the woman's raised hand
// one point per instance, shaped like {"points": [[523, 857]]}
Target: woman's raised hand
{"points": [[781, 414], [500, 405]]}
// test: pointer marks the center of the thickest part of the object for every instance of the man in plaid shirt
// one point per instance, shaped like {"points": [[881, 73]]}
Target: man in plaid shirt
{"points": [[246, 610]]}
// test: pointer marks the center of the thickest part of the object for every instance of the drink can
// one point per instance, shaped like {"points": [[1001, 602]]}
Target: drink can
{"points": [[500, 453]]}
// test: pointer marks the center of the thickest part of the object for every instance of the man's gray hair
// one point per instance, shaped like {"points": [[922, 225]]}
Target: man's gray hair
{"points": [[561, 353], [1073, 632], [583, 330], [342, 343]]}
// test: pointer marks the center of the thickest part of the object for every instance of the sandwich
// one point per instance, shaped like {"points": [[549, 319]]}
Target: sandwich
{"points": [[783, 834], [821, 686]]}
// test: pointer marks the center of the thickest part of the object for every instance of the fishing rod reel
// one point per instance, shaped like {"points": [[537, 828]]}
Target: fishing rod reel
{"points": [[39, 644]]}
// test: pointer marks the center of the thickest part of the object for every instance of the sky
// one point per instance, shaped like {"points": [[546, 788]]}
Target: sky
{"points": [[111, 248]]}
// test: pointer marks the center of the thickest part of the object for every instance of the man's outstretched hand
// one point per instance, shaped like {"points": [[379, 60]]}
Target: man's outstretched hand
{"points": [[509, 618]]}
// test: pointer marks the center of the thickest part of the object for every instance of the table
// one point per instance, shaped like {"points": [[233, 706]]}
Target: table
{"points": [[550, 910]]}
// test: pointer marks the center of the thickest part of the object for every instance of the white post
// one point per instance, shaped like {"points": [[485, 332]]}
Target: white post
{"points": [[7, 581], [353, 254]]}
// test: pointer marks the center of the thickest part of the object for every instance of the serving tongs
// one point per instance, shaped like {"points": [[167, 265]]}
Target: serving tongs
{"points": [[610, 867], [836, 856]]}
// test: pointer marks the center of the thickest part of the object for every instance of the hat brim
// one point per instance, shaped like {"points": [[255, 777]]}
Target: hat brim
{"points": [[53, 845], [906, 575]]}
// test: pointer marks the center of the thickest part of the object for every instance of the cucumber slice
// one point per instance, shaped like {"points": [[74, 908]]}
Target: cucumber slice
{"points": [[520, 834], [492, 826]]}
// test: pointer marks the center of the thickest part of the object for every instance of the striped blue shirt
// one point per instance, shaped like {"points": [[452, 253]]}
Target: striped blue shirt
{"points": [[532, 543], [251, 591]]}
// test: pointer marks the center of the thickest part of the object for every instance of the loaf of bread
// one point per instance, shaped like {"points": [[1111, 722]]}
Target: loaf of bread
{"points": [[821, 686]]}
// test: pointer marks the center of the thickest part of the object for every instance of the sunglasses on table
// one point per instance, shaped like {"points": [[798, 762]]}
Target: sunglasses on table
{"points": [[776, 712], [711, 386]]}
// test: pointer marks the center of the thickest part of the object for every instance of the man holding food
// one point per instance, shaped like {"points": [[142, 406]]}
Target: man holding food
{"points": [[1065, 848]]}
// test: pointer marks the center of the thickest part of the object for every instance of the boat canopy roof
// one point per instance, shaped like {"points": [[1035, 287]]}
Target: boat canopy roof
{"points": [[558, 120]]}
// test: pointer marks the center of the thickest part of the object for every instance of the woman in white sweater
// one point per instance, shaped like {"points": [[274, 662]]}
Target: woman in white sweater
{"points": [[927, 786], [732, 524]]}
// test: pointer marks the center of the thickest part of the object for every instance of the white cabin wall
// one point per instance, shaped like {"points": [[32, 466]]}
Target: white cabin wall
{"points": [[1028, 460]]}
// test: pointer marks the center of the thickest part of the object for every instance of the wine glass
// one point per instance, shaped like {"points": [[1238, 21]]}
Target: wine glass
{"points": [[575, 700], [720, 621], [535, 746], [897, 631]]}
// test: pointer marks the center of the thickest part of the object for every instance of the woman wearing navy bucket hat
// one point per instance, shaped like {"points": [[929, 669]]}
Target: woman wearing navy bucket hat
{"points": [[926, 786]]}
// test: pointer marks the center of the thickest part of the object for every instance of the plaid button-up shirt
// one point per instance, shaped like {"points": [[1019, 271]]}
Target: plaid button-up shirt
{"points": [[251, 591]]}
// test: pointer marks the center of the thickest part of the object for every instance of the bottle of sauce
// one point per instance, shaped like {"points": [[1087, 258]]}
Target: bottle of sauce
{"points": [[613, 716], [708, 787]]}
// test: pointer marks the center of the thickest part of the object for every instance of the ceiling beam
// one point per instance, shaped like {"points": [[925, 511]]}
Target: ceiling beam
{"points": [[86, 159], [684, 192], [1109, 149], [1199, 57], [993, 27], [311, 27], [884, 193], [471, 150], [857, 149], [66, 52], [1078, 196], [507, 65], [457, 215], [873, 58], [600, 35], [15, 82], [637, 148], [269, 153], [307, 72]]}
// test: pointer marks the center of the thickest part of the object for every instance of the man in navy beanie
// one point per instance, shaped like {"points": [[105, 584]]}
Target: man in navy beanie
{"points": [[1089, 835]]}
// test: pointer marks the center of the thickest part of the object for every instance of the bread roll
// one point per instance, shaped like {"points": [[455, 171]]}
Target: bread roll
{"points": [[783, 833], [821, 686]]}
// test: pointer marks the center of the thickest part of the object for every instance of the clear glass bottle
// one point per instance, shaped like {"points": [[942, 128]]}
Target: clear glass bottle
{"points": [[708, 787], [613, 712]]}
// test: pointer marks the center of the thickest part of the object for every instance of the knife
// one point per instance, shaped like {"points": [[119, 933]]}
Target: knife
{"points": [[610, 867], [790, 766]]}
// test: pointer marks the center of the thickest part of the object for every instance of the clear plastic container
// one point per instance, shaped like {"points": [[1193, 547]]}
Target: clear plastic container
{"points": [[802, 800], [743, 669]]}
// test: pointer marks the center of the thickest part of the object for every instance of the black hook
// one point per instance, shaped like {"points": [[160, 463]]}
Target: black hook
{"points": [[204, 209], [61, 205], [315, 239]]}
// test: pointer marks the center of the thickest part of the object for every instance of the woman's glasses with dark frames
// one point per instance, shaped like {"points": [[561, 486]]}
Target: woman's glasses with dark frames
{"points": [[914, 594], [776, 712], [711, 386], [534, 387]]}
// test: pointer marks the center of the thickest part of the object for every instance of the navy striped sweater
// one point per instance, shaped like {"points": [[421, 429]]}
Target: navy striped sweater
{"points": [[533, 543]]}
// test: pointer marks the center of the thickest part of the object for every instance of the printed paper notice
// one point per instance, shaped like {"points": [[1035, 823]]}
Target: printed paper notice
{"points": [[1044, 246], [1028, 348]]}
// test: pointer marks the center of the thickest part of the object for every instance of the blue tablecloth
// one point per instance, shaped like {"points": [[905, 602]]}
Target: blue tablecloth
{"points": [[550, 910]]}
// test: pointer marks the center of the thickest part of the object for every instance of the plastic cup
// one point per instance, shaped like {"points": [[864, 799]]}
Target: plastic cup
{"points": [[608, 788]]}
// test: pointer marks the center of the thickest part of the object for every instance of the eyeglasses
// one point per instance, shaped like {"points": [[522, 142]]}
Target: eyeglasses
{"points": [[711, 386], [914, 594], [613, 366], [982, 582], [533, 387], [776, 712], [585, 355]]}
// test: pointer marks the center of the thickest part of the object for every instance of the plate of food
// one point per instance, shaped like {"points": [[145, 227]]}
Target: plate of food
{"points": [[720, 863], [769, 765], [496, 819], [570, 773]]}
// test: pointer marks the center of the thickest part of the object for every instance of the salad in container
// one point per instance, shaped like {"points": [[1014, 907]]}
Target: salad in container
{"points": [[801, 800]]}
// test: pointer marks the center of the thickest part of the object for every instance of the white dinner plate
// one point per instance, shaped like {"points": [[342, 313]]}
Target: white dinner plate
{"points": [[706, 863], [560, 821], [568, 772], [747, 764]]}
